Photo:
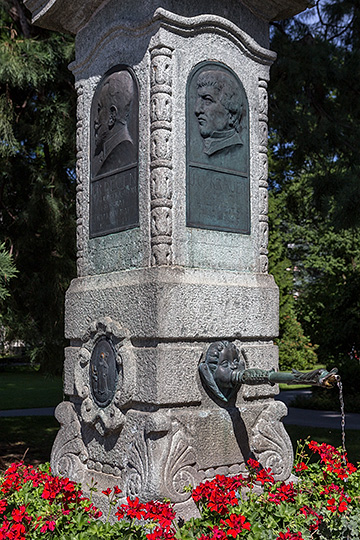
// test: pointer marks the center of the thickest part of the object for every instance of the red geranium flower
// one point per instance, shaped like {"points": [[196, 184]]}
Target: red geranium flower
{"points": [[285, 492], [158, 511], [253, 464], [236, 524], [133, 509], [299, 467], [3, 505], [217, 534], [264, 476]]}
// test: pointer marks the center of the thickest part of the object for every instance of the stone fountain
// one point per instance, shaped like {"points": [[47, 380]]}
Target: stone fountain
{"points": [[172, 233]]}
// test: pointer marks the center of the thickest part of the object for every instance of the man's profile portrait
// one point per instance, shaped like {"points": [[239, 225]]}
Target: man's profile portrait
{"points": [[113, 145], [217, 150], [218, 109], [114, 121]]}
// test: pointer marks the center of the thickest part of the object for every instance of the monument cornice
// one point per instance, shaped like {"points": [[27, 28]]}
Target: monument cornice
{"points": [[185, 26], [70, 16]]}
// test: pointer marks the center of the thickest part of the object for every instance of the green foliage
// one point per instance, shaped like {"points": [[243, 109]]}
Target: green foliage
{"points": [[37, 179], [314, 107], [295, 349], [7, 271], [327, 276], [315, 174]]}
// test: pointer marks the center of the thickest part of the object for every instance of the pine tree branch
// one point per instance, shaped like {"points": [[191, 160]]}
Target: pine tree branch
{"points": [[329, 26], [17, 12]]}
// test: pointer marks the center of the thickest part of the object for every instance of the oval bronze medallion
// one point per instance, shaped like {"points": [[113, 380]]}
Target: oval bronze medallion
{"points": [[103, 372]]}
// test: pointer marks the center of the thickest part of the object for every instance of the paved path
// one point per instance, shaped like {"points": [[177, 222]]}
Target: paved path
{"points": [[46, 411], [295, 417], [313, 418], [324, 419], [287, 396]]}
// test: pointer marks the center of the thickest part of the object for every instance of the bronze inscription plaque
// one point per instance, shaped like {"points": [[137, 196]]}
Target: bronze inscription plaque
{"points": [[114, 202], [217, 122], [103, 372]]}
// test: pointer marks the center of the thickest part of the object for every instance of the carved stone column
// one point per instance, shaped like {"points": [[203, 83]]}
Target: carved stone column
{"points": [[161, 155]]}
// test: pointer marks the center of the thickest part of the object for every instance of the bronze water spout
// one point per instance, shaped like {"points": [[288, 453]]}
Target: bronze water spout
{"points": [[223, 371]]}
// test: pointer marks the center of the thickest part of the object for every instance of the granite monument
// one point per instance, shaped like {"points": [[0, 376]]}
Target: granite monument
{"points": [[172, 245]]}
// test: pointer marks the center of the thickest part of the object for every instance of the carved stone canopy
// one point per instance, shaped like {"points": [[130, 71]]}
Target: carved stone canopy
{"points": [[70, 16]]}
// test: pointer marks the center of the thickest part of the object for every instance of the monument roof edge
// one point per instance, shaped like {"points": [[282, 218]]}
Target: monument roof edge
{"points": [[62, 15], [70, 16]]}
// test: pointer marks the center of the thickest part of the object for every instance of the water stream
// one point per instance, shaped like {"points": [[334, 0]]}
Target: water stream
{"points": [[342, 408]]}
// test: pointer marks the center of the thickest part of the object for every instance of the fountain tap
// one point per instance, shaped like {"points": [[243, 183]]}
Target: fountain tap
{"points": [[223, 371]]}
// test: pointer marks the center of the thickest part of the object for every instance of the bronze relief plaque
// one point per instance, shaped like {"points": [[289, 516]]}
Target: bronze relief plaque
{"points": [[217, 124], [103, 372], [114, 120]]}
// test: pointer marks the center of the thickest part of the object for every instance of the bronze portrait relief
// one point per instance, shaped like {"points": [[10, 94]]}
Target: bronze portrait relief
{"points": [[218, 194], [218, 110], [114, 154], [103, 372]]}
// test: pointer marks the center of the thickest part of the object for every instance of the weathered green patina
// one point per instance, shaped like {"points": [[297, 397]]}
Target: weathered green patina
{"points": [[223, 371]]}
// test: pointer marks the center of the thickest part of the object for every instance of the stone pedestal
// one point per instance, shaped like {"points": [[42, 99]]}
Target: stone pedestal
{"points": [[172, 244]]}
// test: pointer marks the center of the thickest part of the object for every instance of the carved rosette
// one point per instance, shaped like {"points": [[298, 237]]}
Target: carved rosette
{"points": [[161, 155], [80, 156], [102, 360], [263, 176]]}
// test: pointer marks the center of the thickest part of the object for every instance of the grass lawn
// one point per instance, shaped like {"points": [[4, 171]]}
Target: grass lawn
{"points": [[33, 435], [23, 390], [329, 436]]}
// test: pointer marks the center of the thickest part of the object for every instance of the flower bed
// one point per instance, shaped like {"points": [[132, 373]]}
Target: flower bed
{"points": [[322, 504]]}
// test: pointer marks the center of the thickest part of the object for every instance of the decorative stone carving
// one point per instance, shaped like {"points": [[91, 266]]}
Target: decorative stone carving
{"points": [[69, 453], [264, 237], [264, 264], [79, 177], [263, 170], [263, 184], [99, 376], [161, 186], [263, 201], [161, 457], [180, 467], [161, 111], [138, 466], [270, 441], [161, 222], [161, 154]]}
